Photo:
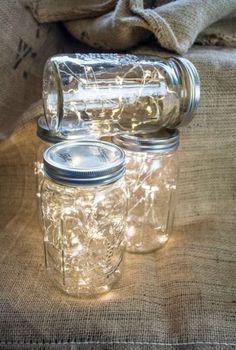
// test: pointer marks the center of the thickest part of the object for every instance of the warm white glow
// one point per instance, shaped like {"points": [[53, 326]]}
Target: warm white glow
{"points": [[119, 97], [131, 230], [84, 234], [151, 180], [163, 238]]}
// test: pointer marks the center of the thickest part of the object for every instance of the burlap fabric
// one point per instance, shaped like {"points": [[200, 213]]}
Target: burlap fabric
{"points": [[121, 24], [25, 46], [180, 297]]}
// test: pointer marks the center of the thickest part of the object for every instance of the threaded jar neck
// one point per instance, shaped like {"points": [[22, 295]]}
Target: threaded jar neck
{"points": [[189, 81]]}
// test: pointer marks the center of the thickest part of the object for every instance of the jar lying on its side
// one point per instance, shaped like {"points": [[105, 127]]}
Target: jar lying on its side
{"points": [[84, 206], [151, 177], [114, 93]]}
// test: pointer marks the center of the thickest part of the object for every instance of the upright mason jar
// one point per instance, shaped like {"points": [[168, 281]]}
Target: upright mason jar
{"points": [[151, 177], [112, 93], [84, 206]]}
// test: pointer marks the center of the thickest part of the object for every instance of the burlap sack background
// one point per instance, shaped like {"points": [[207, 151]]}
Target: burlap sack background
{"points": [[180, 297], [25, 46], [175, 24]]}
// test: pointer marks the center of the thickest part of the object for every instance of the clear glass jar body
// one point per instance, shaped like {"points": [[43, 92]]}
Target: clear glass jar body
{"points": [[38, 166], [151, 181], [84, 235], [111, 93]]}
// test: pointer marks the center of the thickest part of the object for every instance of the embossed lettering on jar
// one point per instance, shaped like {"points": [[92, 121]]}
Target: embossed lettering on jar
{"points": [[151, 177], [84, 205]]}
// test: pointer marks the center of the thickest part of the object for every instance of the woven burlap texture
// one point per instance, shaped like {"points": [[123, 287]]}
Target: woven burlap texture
{"points": [[180, 297], [25, 46], [121, 24]]}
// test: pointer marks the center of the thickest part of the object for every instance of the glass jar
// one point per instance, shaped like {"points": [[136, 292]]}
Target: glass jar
{"points": [[112, 93], [151, 178], [84, 207]]}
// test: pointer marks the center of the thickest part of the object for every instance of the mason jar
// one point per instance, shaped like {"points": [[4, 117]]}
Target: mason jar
{"points": [[84, 207], [151, 178], [114, 93]]}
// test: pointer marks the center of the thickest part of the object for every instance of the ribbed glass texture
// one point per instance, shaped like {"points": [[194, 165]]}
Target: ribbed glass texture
{"points": [[84, 235], [151, 180], [38, 169]]}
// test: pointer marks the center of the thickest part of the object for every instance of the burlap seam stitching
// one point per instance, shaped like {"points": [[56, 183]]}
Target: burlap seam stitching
{"points": [[116, 342]]}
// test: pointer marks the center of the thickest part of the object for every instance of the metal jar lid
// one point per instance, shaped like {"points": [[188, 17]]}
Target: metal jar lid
{"points": [[84, 163], [191, 89], [66, 134], [45, 134], [161, 141]]}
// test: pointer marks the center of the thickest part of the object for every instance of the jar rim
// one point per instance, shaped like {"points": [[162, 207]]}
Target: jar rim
{"points": [[161, 141], [45, 134], [66, 134], [84, 163], [191, 88]]}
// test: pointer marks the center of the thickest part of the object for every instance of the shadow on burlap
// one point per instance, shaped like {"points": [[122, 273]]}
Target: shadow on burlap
{"points": [[182, 296]]}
